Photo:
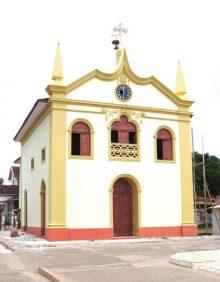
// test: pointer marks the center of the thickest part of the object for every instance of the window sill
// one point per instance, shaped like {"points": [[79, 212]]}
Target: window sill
{"points": [[124, 159], [43, 162], [81, 157], [165, 161]]}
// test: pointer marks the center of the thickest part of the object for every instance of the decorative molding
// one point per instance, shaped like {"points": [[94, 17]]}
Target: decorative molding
{"points": [[123, 69], [124, 151]]}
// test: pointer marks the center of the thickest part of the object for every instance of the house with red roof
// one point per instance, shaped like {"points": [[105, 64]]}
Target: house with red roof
{"points": [[9, 198]]}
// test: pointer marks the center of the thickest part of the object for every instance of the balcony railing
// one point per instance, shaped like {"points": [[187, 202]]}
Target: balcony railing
{"points": [[119, 151]]}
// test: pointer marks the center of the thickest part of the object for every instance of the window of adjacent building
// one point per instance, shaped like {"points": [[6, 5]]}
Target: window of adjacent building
{"points": [[32, 163], [80, 139], [43, 155], [123, 131], [164, 145], [16, 205]]}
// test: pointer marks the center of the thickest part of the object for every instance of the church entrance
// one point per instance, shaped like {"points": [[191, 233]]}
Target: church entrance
{"points": [[122, 208]]}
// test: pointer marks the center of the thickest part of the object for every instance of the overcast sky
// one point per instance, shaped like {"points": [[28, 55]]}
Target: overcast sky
{"points": [[159, 34]]}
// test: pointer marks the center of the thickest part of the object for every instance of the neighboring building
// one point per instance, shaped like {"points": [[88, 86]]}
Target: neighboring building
{"points": [[9, 197], [14, 175], [216, 220], [108, 155]]}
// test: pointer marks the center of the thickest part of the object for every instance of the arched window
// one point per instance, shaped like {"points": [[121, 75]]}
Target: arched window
{"points": [[80, 139], [123, 131], [43, 207], [164, 145], [25, 210]]}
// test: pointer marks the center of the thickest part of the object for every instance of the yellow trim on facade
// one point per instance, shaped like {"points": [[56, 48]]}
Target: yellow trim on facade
{"points": [[186, 172], [91, 157], [123, 67], [136, 201], [103, 105], [57, 167], [173, 145]]}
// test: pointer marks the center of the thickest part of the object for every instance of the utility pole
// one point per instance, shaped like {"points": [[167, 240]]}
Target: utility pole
{"points": [[194, 173], [204, 187]]}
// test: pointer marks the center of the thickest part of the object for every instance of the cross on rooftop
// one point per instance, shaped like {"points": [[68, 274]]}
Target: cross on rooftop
{"points": [[119, 30]]}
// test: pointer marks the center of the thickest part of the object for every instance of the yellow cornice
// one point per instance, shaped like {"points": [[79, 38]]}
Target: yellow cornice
{"points": [[123, 66], [180, 111]]}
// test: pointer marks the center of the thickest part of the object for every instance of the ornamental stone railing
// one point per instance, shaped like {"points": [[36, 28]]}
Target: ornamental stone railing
{"points": [[119, 151]]}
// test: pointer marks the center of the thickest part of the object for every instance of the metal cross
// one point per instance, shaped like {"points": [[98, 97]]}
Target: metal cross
{"points": [[119, 29]]}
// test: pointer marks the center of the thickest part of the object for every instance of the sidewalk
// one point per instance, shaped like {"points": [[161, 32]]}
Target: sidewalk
{"points": [[204, 260], [26, 240]]}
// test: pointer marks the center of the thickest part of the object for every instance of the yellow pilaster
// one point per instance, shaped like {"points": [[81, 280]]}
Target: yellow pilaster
{"points": [[57, 191], [186, 171]]}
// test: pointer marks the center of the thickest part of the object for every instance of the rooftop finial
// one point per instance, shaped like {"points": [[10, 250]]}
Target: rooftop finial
{"points": [[119, 30], [57, 75], [180, 89]]}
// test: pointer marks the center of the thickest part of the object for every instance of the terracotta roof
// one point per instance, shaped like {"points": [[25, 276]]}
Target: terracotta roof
{"points": [[45, 100], [9, 189]]}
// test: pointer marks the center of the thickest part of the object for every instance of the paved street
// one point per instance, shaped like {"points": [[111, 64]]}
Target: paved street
{"points": [[105, 262]]}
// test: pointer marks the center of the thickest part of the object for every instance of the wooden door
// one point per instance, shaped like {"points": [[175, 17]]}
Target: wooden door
{"points": [[122, 208]]}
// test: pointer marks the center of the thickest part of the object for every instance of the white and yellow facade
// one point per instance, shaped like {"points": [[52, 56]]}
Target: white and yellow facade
{"points": [[78, 190]]}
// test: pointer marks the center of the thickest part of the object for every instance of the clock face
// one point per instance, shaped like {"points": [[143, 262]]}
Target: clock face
{"points": [[123, 92]]}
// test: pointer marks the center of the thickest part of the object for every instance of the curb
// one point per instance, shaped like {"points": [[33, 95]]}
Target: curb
{"points": [[47, 273], [13, 245], [182, 263], [7, 246]]}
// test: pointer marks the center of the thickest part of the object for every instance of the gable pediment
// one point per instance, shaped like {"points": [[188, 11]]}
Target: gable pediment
{"points": [[124, 68]]}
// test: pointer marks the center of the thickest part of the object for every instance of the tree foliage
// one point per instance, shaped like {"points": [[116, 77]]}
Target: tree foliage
{"points": [[212, 167]]}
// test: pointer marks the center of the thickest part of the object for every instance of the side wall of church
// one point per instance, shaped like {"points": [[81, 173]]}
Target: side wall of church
{"points": [[32, 179], [89, 180]]}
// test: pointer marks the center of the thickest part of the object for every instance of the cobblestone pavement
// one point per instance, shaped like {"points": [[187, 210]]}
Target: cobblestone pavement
{"points": [[141, 262]]}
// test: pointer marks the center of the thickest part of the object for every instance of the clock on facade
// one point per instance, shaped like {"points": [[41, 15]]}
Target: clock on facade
{"points": [[123, 92]]}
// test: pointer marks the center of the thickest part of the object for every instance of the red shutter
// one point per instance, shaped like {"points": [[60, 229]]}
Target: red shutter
{"points": [[85, 144], [167, 150], [123, 137], [123, 127]]}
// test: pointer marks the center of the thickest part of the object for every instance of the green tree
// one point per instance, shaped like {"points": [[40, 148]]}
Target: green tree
{"points": [[212, 166]]}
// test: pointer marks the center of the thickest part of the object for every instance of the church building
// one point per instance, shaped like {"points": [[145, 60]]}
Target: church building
{"points": [[107, 156]]}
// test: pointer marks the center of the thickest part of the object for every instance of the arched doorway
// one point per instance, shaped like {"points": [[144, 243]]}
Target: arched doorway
{"points": [[43, 208], [124, 205], [25, 210]]}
